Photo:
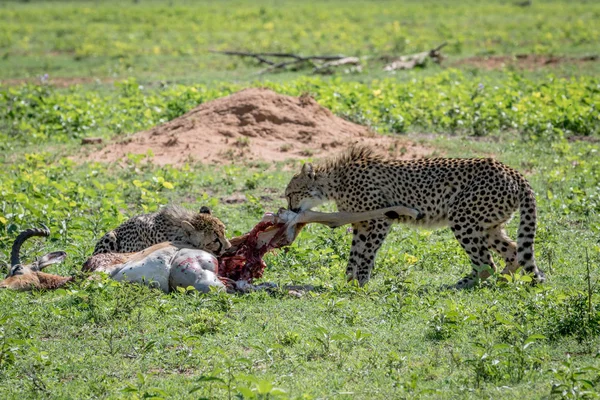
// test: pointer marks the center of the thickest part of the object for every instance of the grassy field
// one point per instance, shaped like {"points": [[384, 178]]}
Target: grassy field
{"points": [[156, 40], [401, 336]]}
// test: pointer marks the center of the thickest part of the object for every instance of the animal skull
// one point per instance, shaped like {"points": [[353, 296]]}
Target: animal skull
{"points": [[30, 276]]}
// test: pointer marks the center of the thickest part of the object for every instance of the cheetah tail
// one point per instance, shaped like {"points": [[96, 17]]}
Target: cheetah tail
{"points": [[526, 234]]}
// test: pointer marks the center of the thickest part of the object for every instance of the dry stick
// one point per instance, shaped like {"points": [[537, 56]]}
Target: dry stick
{"points": [[297, 59], [411, 61], [280, 55], [279, 66], [403, 62], [441, 46], [264, 60], [257, 56], [435, 53], [337, 63]]}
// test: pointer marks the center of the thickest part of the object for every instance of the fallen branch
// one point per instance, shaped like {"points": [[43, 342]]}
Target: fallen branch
{"points": [[416, 60], [277, 55], [281, 65], [326, 66], [296, 60], [326, 63]]}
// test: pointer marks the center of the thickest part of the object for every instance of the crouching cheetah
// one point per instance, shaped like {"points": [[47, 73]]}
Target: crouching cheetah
{"points": [[171, 224], [475, 197]]}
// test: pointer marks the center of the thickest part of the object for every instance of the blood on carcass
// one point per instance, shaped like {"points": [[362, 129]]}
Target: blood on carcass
{"points": [[244, 261]]}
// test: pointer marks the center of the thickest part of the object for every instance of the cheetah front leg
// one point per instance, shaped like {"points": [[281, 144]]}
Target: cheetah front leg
{"points": [[366, 241]]}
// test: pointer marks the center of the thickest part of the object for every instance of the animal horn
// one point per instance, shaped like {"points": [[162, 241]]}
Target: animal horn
{"points": [[15, 259]]}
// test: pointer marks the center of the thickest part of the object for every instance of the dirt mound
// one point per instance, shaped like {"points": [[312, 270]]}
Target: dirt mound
{"points": [[253, 124], [522, 61]]}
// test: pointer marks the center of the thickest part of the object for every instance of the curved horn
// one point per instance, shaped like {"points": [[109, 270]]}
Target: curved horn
{"points": [[23, 236]]}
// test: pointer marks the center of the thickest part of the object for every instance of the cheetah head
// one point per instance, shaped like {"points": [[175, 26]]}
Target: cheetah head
{"points": [[303, 191], [205, 231]]}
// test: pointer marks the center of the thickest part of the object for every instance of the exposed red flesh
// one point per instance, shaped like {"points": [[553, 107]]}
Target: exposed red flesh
{"points": [[245, 261]]}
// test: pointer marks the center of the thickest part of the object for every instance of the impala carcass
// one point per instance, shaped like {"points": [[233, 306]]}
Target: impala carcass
{"points": [[30, 276], [171, 265], [165, 266], [243, 261]]}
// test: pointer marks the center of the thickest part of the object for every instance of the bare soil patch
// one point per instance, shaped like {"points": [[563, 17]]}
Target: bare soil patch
{"points": [[522, 61], [253, 125]]}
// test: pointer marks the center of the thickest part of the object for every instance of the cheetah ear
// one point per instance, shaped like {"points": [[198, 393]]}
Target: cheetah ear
{"points": [[189, 228], [307, 169], [205, 210]]}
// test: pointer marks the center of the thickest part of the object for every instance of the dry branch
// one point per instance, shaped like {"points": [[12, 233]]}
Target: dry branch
{"points": [[293, 59], [281, 65], [416, 60], [326, 63], [278, 55], [327, 66]]}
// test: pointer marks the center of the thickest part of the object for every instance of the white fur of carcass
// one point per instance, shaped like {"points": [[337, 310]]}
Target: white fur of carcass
{"points": [[169, 267]]}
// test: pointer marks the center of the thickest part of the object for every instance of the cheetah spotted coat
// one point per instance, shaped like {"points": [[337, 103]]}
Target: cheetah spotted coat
{"points": [[474, 197], [171, 224]]}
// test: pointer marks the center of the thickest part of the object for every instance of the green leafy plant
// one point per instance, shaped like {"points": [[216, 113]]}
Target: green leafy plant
{"points": [[504, 362], [572, 382], [141, 391]]}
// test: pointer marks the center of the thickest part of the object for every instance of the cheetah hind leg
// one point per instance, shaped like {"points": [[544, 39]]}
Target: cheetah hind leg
{"points": [[505, 247]]}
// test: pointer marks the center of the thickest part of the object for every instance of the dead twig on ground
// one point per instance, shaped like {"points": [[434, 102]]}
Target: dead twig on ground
{"points": [[326, 67], [324, 64], [278, 55], [294, 60], [416, 60]]}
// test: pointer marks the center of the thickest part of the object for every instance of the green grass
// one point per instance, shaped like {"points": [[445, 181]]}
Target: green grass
{"points": [[169, 41], [401, 336], [449, 101]]}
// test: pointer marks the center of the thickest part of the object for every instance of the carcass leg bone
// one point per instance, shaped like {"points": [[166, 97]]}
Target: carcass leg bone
{"points": [[336, 219], [295, 221]]}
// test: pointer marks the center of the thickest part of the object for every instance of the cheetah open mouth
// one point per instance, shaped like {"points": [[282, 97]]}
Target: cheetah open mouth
{"points": [[243, 261]]}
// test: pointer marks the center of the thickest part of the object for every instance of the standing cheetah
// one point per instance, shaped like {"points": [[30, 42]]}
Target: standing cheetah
{"points": [[171, 224], [475, 197]]}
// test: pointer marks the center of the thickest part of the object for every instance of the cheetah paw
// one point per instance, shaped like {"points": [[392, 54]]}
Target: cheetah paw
{"points": [[465, 283]]}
